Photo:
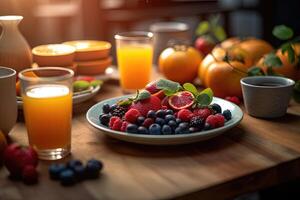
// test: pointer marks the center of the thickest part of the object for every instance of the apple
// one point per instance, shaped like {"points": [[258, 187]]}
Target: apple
{"points": [[204, 45]]}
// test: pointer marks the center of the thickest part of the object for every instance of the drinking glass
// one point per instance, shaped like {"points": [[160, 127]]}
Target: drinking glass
{"points": [[47, 104], [134, 55], [8, 101]]}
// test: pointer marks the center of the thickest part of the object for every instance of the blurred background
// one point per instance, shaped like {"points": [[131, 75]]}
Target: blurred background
{"points": [[55, 21]]}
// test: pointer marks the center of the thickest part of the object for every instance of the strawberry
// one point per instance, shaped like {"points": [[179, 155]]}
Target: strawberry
{"points": [[202, 112], [131, 115], [152, 103], [29, 174], [215, 121], [185, 115], [17, 157]]}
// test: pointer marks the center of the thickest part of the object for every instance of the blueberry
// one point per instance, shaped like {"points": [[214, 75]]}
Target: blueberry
{"points": [[169, 117], [72, 163], [104, 119], [178, 130], [67, 177], [173, 124], [178, 121], [140, 120], [151, 114], [106, 108], [92, 170], [55, 170], [192, 129], [160, 113], [169, 112], [227, 114], [217, 108], [79, 171], [206, 127], [155, 129], [131, 128], [160, 121], [143, 130], [112, 107], [166, 130], [98, 163], [184, 125]]}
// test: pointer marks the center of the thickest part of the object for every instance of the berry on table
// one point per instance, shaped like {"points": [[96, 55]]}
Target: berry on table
{"points": [[166, 130], [227, 114], [185, 115], [79, 171], [142, 130], [155, 129], [132, 128], [98, 163], [160, 121], [29, 175], [73, 163], [67, 177], [148, 122], [55, 170], [92, 170], [132, 115], [217, 108], [104, 119], [106, 108], [197, 122]]}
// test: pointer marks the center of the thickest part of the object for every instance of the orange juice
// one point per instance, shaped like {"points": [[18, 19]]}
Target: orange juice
{"points": [[135, 63], [48, 114]]}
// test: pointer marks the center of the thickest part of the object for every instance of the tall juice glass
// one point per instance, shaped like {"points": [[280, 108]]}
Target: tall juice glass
{"points": [[47, 104], [134, 55]]}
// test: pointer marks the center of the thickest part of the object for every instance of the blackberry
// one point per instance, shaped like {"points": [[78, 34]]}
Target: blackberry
{"points": [[119, 111], [197, 122]]}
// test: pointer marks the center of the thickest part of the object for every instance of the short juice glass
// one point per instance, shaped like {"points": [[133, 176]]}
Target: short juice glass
{"points": [[134, 55], [47, 105]]}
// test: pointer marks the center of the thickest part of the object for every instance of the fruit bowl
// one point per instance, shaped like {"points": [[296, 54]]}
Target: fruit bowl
{"points": [[94, 112]]}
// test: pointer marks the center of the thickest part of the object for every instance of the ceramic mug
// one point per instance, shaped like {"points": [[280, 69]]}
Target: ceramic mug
{"points": [[164, 32], [266, 96], [8, 101]]}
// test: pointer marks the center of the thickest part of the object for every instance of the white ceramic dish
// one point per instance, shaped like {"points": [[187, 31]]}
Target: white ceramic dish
{"points": [[94, 112]]}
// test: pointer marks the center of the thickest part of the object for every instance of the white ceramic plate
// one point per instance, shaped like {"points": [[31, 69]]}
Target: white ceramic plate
{"points": [[78, 97], [94, 112]]}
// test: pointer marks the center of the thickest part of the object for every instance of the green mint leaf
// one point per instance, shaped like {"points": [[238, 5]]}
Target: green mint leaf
{"points": [[203, 28], [287, 47], [282, 32], [219, 33], [203, 100], [126, 102], [255, 71], [191, 88], [271, 60], [168, 85], [169, 93], [144, 94]]}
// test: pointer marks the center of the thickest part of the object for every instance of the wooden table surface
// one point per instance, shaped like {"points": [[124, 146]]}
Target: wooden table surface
{"points": [[256, 154]]}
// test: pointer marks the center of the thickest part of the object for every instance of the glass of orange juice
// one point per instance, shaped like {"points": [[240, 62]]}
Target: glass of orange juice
{"points": [[47, 104], [134, 55]]}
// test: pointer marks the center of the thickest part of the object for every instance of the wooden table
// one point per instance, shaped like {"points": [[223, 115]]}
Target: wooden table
{"points": [[256, 154]]}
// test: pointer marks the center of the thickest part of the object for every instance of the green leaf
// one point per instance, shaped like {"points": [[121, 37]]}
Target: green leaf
{"points": [[144, 94], [126, 102], [169, 93], [168, 85], [255, 71], [282, 32], [95, 83], [203, 99], [191, 88], [287, 47], [203, 28], [208, 91], [219, 33], [271, 60]]}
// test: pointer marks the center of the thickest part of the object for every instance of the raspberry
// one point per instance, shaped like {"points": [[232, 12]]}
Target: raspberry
{"points": [[234, 100], [117, 125], [215, 121], [131, 115], [124, 126], [203, 113], [148, 122], [112, 121], [185, 115], [29, 174]]}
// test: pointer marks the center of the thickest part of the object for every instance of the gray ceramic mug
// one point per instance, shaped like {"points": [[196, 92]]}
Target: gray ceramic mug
{"points": [[8, 100], [266, 96]]}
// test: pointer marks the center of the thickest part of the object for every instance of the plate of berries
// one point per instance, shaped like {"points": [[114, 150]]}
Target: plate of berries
{"points": [[165, 113]]}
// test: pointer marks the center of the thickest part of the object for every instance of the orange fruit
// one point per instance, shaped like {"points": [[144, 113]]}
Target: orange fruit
{"points": [[3, 144], [229, 42], [224, 78], [255, 47], [180, 63]]}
